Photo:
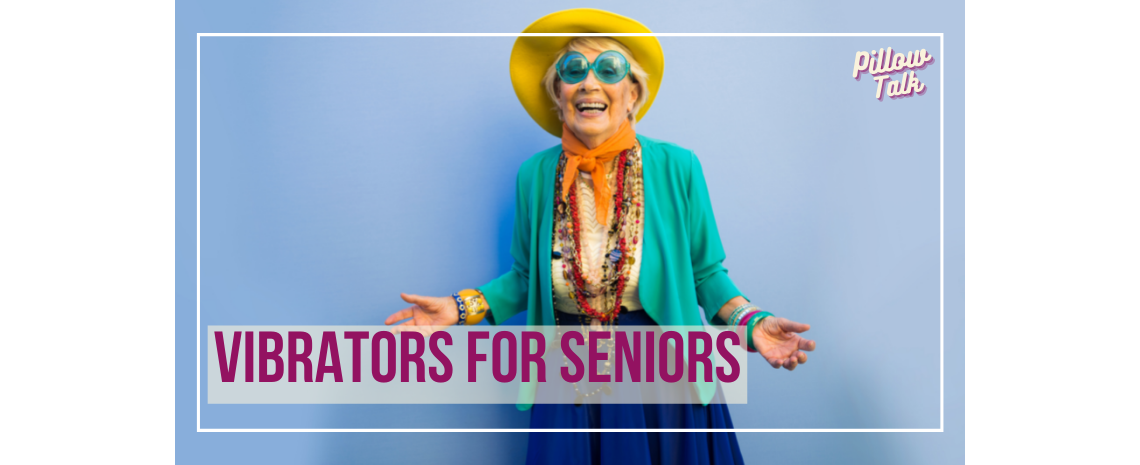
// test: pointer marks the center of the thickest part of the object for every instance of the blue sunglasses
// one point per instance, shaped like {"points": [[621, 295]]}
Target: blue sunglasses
{"points": [[609, 67]]}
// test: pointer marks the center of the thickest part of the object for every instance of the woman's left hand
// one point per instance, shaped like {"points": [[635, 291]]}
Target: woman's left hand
{"points": [[777, 339]]}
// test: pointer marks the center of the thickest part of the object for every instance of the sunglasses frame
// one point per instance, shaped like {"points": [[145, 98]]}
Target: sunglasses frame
{"points": [[591, 66]]}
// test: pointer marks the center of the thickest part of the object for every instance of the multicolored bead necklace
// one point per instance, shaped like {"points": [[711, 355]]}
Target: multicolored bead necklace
{"points": [[622, 240]]}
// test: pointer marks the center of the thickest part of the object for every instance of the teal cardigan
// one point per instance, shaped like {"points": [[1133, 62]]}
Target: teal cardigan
{"points": [[680, 259]]}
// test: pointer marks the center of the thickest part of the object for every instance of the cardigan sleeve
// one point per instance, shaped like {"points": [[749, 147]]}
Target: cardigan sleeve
{"points": [[507, 294], [714, 287]]}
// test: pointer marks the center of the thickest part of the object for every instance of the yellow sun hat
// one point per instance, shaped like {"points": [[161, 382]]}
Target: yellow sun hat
{"points": [[532, 56]]}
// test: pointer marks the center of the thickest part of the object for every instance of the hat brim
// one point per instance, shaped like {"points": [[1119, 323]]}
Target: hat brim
{"points": [[532, 56]]}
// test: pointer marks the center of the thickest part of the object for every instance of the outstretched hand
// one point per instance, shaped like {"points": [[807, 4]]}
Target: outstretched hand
{"points": [[778, 341], [431, 313]]}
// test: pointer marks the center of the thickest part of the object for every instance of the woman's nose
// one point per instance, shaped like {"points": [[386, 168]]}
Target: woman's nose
{"points": [[590, 83]]}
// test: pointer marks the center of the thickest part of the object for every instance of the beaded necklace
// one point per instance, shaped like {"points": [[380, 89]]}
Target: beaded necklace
{"points": [[621, 242]]}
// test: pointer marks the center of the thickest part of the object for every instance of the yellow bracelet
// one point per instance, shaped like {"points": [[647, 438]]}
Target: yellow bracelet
{"points": [[476, 305]]}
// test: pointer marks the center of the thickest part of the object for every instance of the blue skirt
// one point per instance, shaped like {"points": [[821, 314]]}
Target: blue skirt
{"points": [[632, 448]]}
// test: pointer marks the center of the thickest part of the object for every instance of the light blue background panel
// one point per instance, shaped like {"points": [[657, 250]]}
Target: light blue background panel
{"points": [[337, 172]]}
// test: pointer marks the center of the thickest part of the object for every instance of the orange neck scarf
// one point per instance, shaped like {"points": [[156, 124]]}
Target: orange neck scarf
{"points": [[580, 158]]}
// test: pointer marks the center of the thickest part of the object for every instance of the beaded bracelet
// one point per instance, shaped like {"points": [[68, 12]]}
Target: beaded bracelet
{"points": [[462, 309], [755, 318]]}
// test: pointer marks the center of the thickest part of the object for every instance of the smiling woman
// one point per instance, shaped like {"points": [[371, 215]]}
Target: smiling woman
{"points": [[612, 227], [590, 107]]}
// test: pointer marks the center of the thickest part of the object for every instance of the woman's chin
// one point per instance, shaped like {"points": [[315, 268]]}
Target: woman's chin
{"points": [[591, 128]]}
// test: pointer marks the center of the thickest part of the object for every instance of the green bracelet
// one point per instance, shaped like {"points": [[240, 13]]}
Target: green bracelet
{"points": [[752, 323]]}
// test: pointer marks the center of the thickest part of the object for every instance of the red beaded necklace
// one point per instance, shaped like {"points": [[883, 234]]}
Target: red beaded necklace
{"points": [[622, 236]]}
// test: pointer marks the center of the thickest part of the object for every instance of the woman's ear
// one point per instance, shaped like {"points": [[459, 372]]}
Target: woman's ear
{"points": [[634, 92]]}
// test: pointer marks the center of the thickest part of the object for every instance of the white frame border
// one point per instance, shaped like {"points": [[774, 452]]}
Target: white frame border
{"points": [[941, 238]]}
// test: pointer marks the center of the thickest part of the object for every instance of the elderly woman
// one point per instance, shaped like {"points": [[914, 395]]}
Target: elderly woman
{"points": [[611, 227]]}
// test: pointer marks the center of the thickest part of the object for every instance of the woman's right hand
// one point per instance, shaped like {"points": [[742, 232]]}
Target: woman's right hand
{"points": [[433, 313]]}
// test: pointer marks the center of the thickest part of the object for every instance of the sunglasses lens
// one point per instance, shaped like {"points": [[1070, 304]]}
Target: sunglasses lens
{"points": [[573, 68], [610, 67]]}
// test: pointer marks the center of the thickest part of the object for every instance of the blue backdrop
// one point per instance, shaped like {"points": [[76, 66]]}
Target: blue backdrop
{"points": [[335, 172]]}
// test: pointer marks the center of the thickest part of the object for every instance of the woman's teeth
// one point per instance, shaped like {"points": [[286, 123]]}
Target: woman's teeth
{"points": [[591, 107]]}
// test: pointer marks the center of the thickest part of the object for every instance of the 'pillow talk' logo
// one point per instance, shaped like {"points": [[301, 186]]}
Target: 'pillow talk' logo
{"points": [[882, 64]]}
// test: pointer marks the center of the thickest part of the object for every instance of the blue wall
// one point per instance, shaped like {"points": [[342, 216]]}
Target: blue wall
{"points": [[334, 171]]}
